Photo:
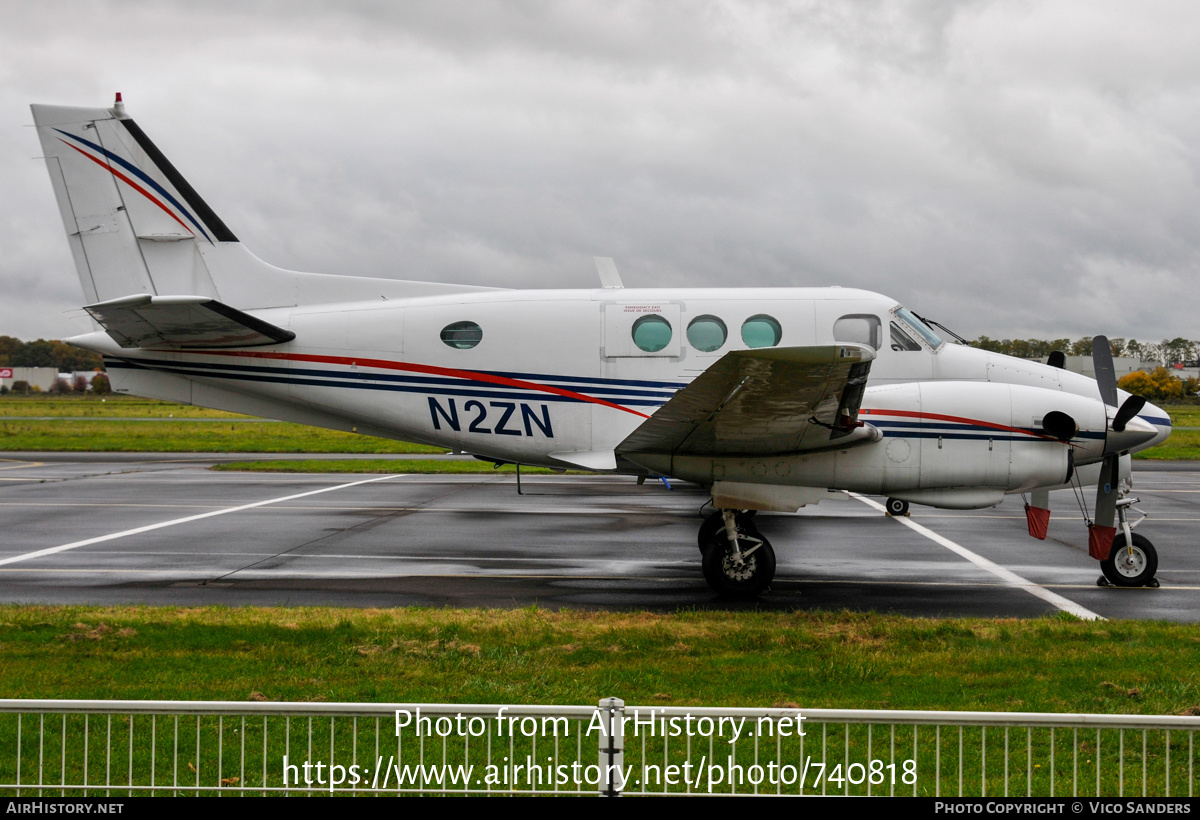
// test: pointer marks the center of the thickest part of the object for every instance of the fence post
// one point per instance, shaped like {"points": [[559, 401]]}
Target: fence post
{"points": [[612, 747]]}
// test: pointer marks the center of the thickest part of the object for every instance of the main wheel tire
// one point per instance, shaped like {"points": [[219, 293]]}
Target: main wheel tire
{"points": [[746, 580], [714, 527], [1128, 566], [897, 507]]}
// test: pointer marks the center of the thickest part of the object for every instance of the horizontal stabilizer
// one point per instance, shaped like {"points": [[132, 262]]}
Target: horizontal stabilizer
{"points": [[182, 322]]}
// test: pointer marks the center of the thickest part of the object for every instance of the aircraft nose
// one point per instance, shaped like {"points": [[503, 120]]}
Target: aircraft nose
{"points": [[1157, 418], [1137, 434]]}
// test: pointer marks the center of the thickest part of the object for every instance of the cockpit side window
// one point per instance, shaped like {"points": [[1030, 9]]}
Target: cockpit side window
{"points": [[901, 340], [862, 329], [932, 339]]}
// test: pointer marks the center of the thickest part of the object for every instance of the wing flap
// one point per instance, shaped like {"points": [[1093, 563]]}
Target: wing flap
{"points": [[762, 401], [182, 322]]}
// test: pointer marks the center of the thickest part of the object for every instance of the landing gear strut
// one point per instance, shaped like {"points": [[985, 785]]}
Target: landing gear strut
{"points": [[738, 560], [714, 525]]}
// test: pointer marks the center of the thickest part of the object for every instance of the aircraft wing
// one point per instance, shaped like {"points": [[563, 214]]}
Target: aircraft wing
{"points": [[764, 401], [182, 321]]}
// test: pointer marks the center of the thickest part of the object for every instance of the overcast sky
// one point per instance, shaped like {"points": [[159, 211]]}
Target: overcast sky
{"points": [[1008, 168]]}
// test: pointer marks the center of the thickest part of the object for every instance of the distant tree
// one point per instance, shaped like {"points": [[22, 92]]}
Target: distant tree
{"points": [[79, 384], [985, 343], [36, 354], [101, 385], [9, 345], [60, 386], [21, 387], [1081, 347], [1157, 386], [1176, 350], [72, 358], [1021, 348], [47, 353]]}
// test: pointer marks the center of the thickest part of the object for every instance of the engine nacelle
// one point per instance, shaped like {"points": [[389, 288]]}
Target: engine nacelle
{"points": [[946, 444]]}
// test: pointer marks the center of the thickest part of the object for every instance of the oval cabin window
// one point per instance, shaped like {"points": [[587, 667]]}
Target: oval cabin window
{"points": [[462, 335]]}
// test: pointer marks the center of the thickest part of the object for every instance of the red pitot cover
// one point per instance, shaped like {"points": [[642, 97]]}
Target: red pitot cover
{"points": [[1039, 521], [1100, 541]]}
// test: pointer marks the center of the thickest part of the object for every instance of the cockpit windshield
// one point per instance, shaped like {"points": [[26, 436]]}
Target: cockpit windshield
{"points": [[907, 316]]}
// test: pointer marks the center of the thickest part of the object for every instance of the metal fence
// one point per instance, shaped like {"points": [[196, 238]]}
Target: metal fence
{"points": [[135, 748]]}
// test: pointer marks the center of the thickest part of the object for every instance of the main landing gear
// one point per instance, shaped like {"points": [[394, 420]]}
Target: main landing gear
{"points": [[896, 507], [738, 560]]}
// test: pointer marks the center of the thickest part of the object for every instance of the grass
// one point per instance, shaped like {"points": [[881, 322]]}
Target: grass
{"points": [[113, 406], [1184, 415], [804, 660], [742, 658], [1183, 445], [184, 437]]}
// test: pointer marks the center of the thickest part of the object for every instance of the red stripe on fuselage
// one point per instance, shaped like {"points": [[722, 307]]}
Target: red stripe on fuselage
{"points": [[915, 414], [131, 184], [384, 364]]}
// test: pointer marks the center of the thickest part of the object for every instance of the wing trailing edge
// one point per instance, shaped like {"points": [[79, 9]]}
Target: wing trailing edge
{"points": [[763, 401]]}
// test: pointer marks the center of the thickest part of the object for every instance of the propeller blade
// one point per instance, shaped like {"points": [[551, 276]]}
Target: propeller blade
{"points": [[1132, 406], [1106, 374], [1106, 492], [1103, 528]]}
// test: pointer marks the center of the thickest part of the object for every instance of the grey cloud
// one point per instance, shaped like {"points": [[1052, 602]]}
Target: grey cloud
{"points": [[1008, 168]]}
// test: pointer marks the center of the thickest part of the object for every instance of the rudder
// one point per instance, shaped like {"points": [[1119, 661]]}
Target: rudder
{"points": [[134, 224]]}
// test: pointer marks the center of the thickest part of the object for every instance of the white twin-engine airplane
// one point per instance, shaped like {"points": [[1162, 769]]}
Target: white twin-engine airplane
{"points": [[770, 398]]}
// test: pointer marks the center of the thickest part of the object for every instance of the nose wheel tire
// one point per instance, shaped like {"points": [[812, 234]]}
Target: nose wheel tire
{"points": [[1130, 566], [896, 507], [739, 579]]}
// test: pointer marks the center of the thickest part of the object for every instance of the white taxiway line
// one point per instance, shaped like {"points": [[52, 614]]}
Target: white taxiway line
{"points": [[101, 539], [1008, 576]]}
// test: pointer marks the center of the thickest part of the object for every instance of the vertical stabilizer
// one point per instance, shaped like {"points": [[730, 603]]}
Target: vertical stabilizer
{"points": [[134, 224]]}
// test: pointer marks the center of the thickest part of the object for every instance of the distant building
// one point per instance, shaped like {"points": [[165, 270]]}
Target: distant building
{"points": [[1124, 365], [40, 377]]}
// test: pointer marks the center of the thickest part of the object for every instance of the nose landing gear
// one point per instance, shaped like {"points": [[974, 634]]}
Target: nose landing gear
{"points": [[1130, 564], [1132, 561]]}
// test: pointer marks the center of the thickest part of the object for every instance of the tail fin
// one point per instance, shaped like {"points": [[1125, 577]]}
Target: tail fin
{"points": [[137, 227], [134, 224]]}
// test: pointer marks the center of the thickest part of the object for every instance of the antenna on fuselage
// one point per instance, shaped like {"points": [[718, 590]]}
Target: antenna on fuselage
{"points": [[607, 268]]}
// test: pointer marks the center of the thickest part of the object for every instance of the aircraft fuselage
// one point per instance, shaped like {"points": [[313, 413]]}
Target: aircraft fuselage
{"points": [[560, 378]]}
